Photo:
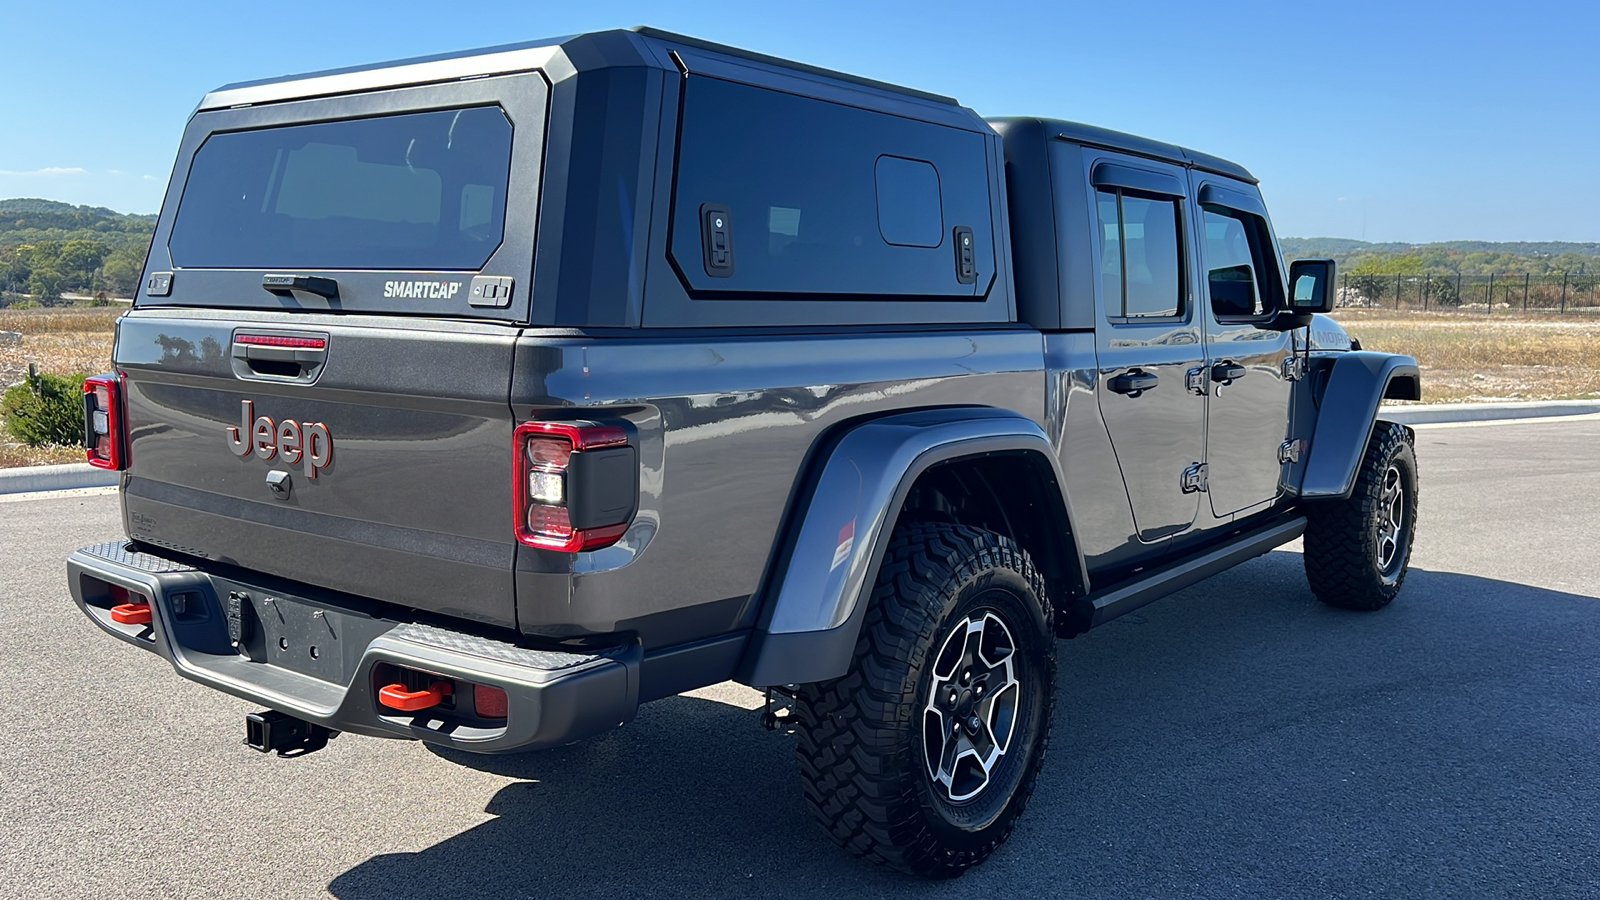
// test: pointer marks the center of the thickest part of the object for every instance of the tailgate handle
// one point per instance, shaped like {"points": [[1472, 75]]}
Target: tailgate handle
{"points": [[279, 356], [286, 285]]}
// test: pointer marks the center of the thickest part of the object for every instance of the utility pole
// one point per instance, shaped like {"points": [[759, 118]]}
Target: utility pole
{"points": [[1489, 296], [1525, 278], [1563, 293]]}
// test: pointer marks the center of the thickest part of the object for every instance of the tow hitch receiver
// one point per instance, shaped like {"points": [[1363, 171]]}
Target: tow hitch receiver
{"points": [[270, 730]]}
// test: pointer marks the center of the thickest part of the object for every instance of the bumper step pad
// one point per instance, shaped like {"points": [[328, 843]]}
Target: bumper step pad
{"points": [[552, 697]]}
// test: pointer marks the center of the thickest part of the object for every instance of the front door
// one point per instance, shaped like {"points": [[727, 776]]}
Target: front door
{"points": [[1248, 420], [1148, 341]]}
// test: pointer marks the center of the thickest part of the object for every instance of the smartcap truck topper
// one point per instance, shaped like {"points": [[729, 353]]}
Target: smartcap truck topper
{"points": [[480, 398]]}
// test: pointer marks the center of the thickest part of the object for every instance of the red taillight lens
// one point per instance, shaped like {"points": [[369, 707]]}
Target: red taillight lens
{"points": [[549, 520], [102, 422], [546, 454], [552, 452]]}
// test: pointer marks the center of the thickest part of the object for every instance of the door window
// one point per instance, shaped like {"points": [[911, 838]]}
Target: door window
{"points": [[1141, 270], [1242, 281]]}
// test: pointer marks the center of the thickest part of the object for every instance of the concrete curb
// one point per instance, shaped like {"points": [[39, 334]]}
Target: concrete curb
{"points": [[1433, 413], [29, 479]]}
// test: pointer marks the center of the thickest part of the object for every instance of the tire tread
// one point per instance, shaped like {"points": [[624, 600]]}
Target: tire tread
{"points": [[1338, 559], [854, 746]]}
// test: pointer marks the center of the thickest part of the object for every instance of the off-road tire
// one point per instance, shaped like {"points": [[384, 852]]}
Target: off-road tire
{"points": [[861, 737], [1344, 541]]}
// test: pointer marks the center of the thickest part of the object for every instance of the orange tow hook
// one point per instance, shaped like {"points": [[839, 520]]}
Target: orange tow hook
{"points": [[395, 696], [131, 614]]}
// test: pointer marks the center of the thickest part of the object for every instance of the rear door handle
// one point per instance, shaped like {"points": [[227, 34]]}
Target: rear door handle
{"points": [[1226, 372], [1134, 382]]}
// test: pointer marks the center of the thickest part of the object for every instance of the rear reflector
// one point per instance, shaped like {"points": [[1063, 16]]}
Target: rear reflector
{"points": [[490, 702]]}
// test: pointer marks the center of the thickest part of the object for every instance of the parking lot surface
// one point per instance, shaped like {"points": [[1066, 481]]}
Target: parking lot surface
{"points": [[1238, 739]]}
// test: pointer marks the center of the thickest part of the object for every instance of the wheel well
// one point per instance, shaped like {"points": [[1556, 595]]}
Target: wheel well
{"points": [[1014, 494], [1403, 387]]}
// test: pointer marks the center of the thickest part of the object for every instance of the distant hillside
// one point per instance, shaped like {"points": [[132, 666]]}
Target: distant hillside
{"points": [[1464, 257], [29, 220], [49, 248]]}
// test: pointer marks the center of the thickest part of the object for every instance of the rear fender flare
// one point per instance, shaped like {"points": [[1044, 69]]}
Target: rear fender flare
{"points": [[814, 596], [1358, 382]]}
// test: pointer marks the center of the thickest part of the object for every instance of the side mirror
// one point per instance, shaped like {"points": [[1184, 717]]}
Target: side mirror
{"points": [[1313, 286]]}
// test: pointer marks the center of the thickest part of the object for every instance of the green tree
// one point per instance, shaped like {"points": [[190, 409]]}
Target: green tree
{"points": [[120, 273], [79, 259], [45, 286]]}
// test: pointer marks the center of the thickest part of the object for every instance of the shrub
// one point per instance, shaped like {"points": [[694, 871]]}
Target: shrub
{"points": [[45, 409]]}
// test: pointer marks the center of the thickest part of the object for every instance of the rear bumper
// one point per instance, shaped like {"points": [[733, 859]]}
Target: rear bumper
{"points": [[324, 661]]}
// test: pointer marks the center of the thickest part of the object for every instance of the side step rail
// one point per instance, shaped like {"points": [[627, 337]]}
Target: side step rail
{"points": [[1176, 576]]}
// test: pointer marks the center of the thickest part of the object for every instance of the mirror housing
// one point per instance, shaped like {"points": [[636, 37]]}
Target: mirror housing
{"points": [[1313, 286]]}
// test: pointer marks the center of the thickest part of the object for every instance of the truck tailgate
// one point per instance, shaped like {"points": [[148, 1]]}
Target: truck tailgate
{"points": [[381, 467]]}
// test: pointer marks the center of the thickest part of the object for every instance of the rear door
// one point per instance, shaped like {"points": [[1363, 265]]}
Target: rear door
{"points": [[1148, 340], [318, 363]]}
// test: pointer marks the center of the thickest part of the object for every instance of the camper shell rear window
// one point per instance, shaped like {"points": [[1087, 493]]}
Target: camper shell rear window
{"points": [[417, 191]]}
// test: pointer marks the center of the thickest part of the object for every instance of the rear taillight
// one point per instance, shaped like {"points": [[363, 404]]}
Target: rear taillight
{"points": [[576, 485], [102, 422]]}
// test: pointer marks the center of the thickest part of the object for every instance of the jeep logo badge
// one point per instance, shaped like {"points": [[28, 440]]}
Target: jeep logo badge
{"points": [[309, 442]]}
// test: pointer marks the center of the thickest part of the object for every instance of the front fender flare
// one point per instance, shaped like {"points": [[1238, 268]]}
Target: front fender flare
{"points": [[1357, 382], [814, 595]]}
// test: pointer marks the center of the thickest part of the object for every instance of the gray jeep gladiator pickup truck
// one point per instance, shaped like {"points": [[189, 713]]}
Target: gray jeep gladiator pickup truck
{"points": [[480, 398]]}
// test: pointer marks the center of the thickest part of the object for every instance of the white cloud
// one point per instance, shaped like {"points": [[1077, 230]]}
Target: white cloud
{"points": [[50, 172]]}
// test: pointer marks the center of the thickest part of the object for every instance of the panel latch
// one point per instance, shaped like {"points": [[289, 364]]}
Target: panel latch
{"points": [[490, 290]]}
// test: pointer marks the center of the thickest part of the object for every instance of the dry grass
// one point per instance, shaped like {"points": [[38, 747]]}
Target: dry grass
{"points": [[13, 455], [59, 341], [70, 319], [1503, 357]]}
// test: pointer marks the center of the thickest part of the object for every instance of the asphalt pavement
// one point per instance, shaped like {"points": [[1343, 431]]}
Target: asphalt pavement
{"points": [[1236, 740]]}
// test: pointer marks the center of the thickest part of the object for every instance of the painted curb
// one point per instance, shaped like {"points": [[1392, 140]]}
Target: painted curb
{"points": [[1486, 412], [29, 479]]}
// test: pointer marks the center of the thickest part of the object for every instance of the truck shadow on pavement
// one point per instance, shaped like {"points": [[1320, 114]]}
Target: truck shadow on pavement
{"points": [[1238, 739]]}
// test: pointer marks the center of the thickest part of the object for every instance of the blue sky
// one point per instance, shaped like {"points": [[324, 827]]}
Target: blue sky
{"points": [[1398, 121]]}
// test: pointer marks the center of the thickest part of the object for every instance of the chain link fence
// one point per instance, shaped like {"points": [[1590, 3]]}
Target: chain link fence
{"points": [[1569, 294]]}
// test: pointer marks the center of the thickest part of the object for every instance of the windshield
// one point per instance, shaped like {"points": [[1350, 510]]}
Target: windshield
{"points": [[415, 191]]}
